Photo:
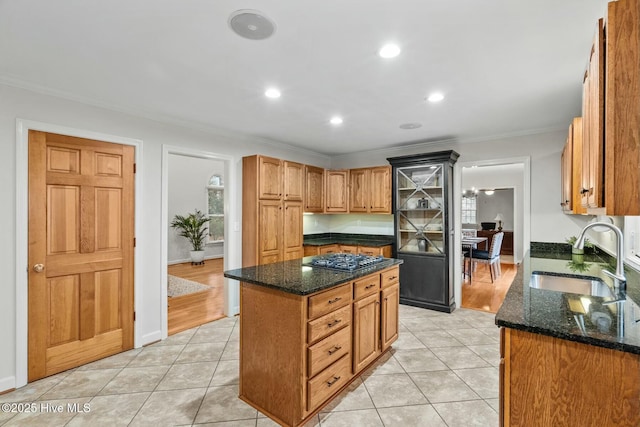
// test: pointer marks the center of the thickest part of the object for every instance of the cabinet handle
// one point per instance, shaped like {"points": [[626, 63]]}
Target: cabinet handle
{"points": [[584, 190], [369, 286], [334, 349], [336, 299], [334, 323], [333, 381], [392, 277]]}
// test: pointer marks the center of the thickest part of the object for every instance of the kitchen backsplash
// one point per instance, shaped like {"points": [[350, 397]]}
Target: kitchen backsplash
{"points": [[378, 224]]}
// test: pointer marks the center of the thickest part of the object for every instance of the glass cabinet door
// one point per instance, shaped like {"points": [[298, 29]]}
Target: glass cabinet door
{"points": [[420, 209]]}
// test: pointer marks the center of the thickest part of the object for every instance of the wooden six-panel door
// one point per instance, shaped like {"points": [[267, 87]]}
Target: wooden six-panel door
{"points": [[81, 240]]}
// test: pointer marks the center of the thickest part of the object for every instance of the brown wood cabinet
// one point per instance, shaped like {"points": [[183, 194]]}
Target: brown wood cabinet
{"points": [[336, 191], [370, 190], [385, 251], [293, 181], [314, 189], [546, 381], [296, 358], [572, 170], [622, 108], [593, 125], [507, 240], [271, 210]]}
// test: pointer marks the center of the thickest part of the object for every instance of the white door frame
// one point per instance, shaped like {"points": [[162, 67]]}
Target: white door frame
{"points": [[457, 203], [231, 287], [22, 229]]}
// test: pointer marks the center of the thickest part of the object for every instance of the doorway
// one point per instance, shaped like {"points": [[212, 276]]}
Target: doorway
{"points": [[501, 191], [189, 179], [195, 289]]}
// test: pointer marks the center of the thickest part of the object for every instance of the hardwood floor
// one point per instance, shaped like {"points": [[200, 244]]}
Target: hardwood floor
{"points": [[483, 295], [192, 310]]}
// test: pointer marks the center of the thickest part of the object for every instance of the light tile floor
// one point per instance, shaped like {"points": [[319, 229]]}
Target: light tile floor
{"points": [[442, 371]]}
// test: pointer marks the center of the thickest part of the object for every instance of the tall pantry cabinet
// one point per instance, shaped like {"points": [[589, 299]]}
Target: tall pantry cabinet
{"points": [[272, 193]]}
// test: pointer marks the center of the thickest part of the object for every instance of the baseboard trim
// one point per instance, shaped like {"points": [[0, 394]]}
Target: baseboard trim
{"points": [[182, 261], [152, 337], [7, 384]]}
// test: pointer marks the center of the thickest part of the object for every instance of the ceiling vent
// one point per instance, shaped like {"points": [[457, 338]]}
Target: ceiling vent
{"points": [[251, 24]]}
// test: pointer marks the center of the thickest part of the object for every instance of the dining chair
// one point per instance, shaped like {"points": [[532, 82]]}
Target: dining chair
{"points": [[490, 257]]}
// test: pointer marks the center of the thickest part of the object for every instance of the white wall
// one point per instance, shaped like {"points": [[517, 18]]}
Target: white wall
{"points": [[18, 103], [378, 224], [188, 179], [500, 202]]}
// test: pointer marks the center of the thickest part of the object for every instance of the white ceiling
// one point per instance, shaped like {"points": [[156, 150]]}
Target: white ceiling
{"points": [[506, 66]]}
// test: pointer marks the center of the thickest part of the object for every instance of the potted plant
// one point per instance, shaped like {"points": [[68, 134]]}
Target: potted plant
{"points": [[194, 228], [572, 241]]}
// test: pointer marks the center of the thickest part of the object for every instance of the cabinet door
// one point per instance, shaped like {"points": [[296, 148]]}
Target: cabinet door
{"points": [[293, 181], [270, 178], [348, 249], [292, 230], [269, 231], [389, 315], [359, 190], [366, 331], [593, 124], [314, 189], [380, 190], [566, 172], [336, 186]]}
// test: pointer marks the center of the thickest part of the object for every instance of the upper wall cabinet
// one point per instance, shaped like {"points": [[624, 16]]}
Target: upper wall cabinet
{"points": [[314, 189], [370, 190], [336, 190], [293, 181], [271, 219], [622, 108], [572, 169], [593, 125]]}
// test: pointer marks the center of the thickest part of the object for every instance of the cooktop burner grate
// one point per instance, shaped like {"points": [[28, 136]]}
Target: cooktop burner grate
{"points": [[345, 262]]}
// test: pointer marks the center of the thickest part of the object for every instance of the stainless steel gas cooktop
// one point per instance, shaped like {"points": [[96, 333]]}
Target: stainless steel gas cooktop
{"points": [[345, 262]]}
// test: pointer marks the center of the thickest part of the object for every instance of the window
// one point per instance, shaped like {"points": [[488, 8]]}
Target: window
{"points": [[469, 209], [215, 194]]}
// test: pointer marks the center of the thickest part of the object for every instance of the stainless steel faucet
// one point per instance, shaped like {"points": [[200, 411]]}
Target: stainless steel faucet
{"points": [[620, 279]]}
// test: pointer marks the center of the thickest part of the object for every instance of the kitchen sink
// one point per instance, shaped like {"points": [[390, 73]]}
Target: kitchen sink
{"points": [[574, 284]]}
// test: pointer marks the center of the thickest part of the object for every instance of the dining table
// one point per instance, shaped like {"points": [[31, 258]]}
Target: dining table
{"points": [[469, 244]]}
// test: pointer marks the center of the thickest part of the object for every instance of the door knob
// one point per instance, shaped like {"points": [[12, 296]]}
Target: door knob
{"points": [[38, 268]]}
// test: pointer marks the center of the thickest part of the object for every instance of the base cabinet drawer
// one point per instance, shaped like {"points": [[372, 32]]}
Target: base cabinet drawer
{"points": [[328, 301], [328, 324], [328, 381], [329, 350]]}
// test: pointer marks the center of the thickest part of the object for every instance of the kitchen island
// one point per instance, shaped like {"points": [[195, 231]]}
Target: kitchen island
{"points": [[307, 332], [569, 359]]}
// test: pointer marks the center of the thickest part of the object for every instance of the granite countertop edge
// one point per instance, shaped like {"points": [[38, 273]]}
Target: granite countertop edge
{"points": [[362, 239], [510, 316], [337, 278]]}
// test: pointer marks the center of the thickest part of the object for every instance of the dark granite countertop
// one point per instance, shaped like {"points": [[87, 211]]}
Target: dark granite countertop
{"points": [[373, 240], [599, 321], [295, 277]]}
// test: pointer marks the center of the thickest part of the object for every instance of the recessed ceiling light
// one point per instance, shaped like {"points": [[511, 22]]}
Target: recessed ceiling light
{"points": [[489, 192], [410, 125], [389, 50], [336, 120], [272, 92], [435, 97]]}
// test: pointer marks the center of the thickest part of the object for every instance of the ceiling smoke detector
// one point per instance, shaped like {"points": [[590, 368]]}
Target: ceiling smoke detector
{"points": [[251, 24]]}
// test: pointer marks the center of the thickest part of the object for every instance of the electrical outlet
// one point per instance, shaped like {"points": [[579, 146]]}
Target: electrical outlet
{"points": [[315, 222], [236, 226], [359, 223]]}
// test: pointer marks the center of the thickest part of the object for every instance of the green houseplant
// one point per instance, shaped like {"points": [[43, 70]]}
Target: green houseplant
{"points": [[587, 244], [193, 227]]}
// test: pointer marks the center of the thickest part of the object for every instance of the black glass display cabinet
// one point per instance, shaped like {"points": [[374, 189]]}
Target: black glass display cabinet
{"points": [[423, 215]]}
